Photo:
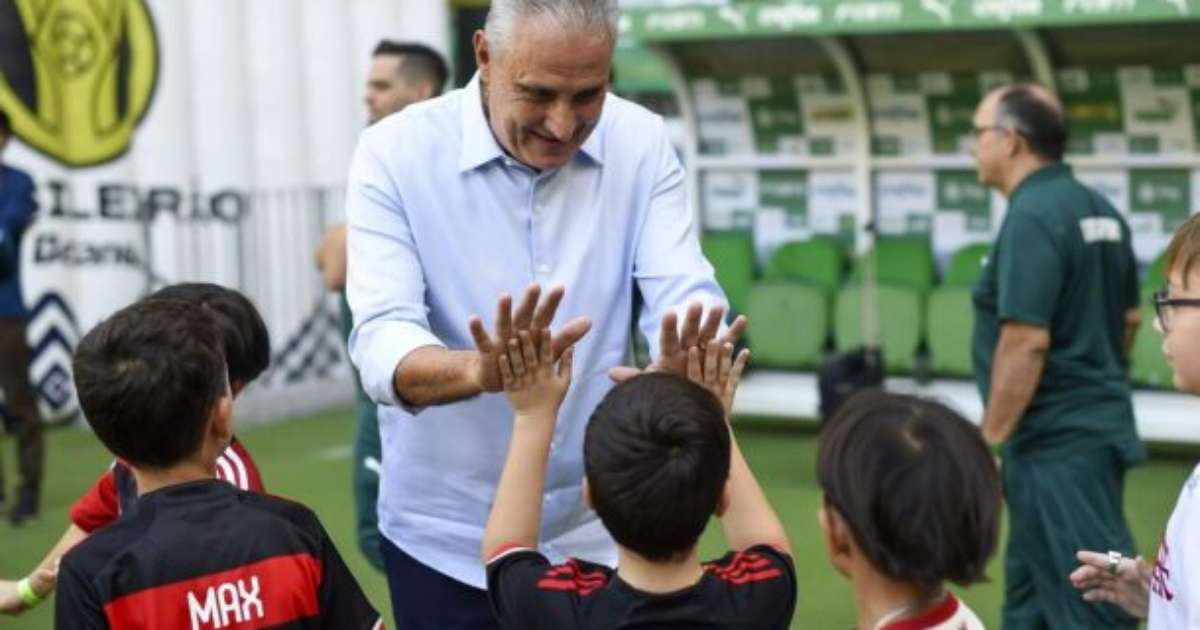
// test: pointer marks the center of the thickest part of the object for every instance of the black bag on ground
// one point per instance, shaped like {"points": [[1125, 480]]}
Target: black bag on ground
{"points": [[844, 374]]}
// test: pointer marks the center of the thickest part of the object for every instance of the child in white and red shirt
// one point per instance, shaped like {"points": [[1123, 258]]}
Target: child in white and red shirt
{"points": [[911, 501], [1167, 592]]}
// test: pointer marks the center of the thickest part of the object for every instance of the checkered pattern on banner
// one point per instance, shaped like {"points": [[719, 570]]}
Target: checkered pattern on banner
{"points": [[314, 352], [53, 333]]}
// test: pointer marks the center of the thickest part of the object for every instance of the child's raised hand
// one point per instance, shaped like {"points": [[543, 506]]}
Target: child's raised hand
{"points": [[717, 370], [532, 381]]}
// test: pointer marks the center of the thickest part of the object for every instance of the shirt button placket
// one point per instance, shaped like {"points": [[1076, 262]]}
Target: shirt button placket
{"points": [[540, 268]]}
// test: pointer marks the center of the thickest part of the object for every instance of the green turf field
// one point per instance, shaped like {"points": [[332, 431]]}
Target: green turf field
{"points": [[308, 460]]}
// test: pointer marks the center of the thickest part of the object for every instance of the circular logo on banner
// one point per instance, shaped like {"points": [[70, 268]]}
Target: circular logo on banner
{"points": [[76, 76]]}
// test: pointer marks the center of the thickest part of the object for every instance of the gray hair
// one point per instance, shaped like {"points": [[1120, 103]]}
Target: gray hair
{"points": [[588, 15]]}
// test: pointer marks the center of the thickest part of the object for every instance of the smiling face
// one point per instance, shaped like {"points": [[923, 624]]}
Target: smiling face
{"points": [[544, 91]]}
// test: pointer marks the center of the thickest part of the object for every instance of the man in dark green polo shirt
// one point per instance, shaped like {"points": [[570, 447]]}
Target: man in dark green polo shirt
{"points": [[1056, 307]]}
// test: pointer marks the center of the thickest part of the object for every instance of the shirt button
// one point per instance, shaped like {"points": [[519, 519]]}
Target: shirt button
{"points": [[543, 268]]}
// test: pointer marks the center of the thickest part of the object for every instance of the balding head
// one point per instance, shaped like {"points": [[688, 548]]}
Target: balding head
{"points": [[1035, 114]]}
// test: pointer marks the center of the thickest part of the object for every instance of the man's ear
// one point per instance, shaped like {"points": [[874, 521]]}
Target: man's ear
{"points": [[1013, 142], [483, 53], [587, 495], [425, 91]]}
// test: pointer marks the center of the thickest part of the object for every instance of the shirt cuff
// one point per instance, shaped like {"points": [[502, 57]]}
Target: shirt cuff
{"points": [[377, 350]]}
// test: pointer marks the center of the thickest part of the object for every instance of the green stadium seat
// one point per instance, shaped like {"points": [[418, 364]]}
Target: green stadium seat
{"points": [[790, 324], [949, 328], [818, 262], [732, 255], [1148, 366], [901, 262], [965, 265], [899, 331]]}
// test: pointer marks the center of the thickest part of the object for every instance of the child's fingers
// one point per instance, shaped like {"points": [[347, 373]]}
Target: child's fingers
{"points": [[528, 350], [726, 362], [565, 364], [547, 354], [506, 372], [43, 581], [514, 355], [739, 366], [712, 354], [693, 365]]}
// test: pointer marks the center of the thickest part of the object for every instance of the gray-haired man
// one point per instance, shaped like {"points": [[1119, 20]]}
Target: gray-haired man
{"points": [[532, 175]]}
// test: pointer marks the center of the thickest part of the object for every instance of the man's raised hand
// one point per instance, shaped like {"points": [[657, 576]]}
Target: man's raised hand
{"points": [[533, 315], [675, 340]]}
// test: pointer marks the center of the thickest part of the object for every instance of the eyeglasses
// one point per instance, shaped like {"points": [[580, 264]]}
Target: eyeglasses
{"points": [[1164, 307]]}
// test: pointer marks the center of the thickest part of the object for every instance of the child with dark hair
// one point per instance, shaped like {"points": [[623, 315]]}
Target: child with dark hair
{"points": [[193, 551], [247, 348], [659, 460], [912, 501]]}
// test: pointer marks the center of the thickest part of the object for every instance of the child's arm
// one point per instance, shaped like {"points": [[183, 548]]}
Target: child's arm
{"points": [[42, 578], [536, 389], [749, 519]]}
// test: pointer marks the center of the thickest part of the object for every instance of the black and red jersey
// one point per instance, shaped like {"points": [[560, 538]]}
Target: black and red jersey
{"points": [[755, 588], [115, 491], [204, 554]]}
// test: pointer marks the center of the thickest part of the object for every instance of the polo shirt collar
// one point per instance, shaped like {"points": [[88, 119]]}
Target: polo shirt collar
{"points": [[1043, 174]]}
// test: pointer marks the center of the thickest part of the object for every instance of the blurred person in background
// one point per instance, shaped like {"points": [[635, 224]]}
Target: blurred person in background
{"points": [[400, 74], [20, 415], [532, 174], [1056, 309]]}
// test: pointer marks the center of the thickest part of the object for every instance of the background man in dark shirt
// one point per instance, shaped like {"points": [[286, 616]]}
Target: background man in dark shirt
{"points": [[1056, 307]]}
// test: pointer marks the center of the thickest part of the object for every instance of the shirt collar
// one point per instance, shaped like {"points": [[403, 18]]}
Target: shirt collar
{"points": [[1043, 174], [479, 145]]}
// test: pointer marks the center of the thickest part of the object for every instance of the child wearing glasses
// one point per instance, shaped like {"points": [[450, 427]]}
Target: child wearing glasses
{"points": [[1165, 592]]}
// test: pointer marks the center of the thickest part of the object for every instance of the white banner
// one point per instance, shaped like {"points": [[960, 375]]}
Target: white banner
{"points": [[210, 144]]}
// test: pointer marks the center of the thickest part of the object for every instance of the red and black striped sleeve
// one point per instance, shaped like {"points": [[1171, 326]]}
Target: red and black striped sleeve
{"points": [[512, 573], [760, 583]]}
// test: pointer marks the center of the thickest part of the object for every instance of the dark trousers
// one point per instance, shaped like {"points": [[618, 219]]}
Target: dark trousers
{"points": [[423, 599], [1057, 507], [26, 425]]}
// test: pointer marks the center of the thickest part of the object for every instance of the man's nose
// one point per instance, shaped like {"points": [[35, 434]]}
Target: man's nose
{"points": [[560, 122]]}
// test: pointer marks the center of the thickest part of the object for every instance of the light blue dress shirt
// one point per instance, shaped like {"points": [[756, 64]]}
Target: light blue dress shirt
{"points": [[441, 222]]}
